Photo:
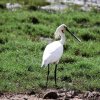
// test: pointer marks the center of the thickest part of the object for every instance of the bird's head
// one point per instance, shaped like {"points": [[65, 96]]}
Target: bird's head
{"points": [[61, 30]]}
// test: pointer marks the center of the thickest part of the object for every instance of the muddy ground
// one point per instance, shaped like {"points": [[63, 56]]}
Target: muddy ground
{"points": [[52, 94]]}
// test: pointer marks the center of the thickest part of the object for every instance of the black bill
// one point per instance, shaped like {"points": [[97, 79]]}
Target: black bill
{"points": [[73, 34]]}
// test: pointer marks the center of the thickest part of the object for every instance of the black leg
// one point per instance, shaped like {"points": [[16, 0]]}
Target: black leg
{"points": [[47, 76], [55, 73]]}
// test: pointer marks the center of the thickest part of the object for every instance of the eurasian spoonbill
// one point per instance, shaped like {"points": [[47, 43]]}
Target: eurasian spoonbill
{"points": [[54, 50]]}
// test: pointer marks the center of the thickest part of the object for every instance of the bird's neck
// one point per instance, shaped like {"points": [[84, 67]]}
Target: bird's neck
{"points": [[62, 40]]}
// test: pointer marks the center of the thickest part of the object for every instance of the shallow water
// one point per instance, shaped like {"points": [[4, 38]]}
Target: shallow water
{"points": [[76, 1], [57, 5]]}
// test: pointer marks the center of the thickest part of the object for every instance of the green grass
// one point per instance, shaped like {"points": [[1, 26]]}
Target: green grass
{"points": [[21, 50], [26, 2]]}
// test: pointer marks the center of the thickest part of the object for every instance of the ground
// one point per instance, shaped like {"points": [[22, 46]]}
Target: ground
{"points": [[58, 94]]}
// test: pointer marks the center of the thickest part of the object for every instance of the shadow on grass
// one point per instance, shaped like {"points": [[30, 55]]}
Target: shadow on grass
{"points": [[87, 37]]}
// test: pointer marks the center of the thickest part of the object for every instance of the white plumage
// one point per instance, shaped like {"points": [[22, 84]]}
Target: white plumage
{"points": [[52, 53], [54, 50]]}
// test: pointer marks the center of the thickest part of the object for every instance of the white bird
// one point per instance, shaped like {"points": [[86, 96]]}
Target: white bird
{"points": [[54, 50]]}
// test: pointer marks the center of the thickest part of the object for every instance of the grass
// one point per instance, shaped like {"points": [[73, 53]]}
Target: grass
{"points": [[26, 2], [21, 50]]}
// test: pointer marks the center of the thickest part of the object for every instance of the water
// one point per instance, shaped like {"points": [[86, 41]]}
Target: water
{"points": [[55, 7], [58, 5], [75, 1]]}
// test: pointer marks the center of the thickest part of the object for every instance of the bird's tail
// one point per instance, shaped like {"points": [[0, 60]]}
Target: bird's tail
{"points": [[42, 64]]}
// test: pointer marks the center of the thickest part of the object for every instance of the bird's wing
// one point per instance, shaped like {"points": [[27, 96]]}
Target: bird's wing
{"points": [[52, 47], [52, 53]]}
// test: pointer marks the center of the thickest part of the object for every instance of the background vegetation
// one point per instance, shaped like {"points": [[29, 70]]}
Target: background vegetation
{"points": [[26, 2], [21, 49]]}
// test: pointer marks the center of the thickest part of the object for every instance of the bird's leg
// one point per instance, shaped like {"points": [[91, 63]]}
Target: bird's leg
{"points": [[47, 76], [55, 73]]}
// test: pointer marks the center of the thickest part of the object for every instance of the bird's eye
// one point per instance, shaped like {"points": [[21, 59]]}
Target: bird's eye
{"points": [[62, 31]]}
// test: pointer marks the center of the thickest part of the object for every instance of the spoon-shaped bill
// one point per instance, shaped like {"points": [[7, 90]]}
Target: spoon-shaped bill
{"points": [[76, 37], [73, 35]]}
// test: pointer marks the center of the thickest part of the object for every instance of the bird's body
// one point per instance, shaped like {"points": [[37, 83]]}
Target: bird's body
{"points": [[52, 53]]}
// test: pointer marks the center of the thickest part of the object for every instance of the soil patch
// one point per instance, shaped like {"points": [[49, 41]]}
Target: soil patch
{"points": [[54, 94]]}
